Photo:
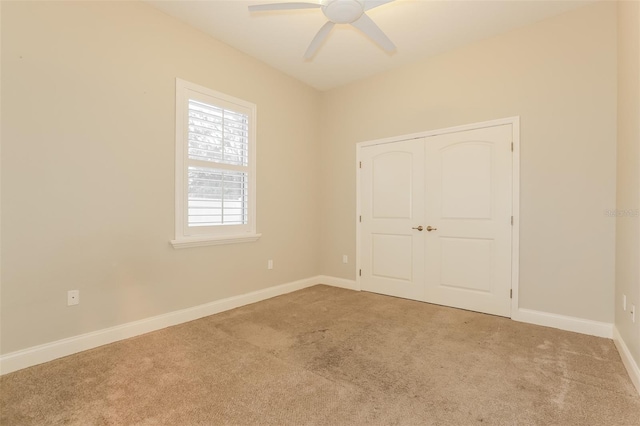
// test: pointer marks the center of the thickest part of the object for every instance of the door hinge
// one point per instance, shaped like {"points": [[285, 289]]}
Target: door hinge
{"points": [[511, 294], [511, 220], [361, 164], [360, 218], [511, 146], [360, 273]]}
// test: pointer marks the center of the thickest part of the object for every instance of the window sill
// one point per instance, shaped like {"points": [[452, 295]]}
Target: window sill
{"points": [[214, 241]]}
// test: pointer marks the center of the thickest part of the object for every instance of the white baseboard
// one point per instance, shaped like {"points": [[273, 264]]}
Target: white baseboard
{"points": [[337, 282], [49, 351], [562, 322], [630, 364]]}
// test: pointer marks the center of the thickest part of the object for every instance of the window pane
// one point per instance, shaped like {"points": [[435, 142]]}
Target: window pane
{"points": [[217, 134], [217, 197]]}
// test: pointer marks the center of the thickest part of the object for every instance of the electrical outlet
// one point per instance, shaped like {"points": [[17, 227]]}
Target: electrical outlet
{"points": [[269, 264], [624, 302], [73, 297], [345, 258]]}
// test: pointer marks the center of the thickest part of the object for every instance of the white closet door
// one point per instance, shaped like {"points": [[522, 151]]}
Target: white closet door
{"points": [[469, 193], [392, 203], [436, 219]]}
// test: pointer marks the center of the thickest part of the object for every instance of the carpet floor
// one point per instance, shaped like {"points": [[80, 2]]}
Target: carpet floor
{"points": [[330, 356]]}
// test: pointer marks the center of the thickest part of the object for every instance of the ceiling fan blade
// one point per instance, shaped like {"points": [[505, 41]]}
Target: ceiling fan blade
{"points": [[370, 4], [283, 6], [318, 39], [373, 31]]}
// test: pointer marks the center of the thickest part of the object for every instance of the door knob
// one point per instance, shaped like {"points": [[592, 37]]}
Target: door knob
{"points": [[419, 228], [430, 228]]}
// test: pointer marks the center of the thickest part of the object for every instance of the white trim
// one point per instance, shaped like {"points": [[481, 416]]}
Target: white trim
{"points": [[214, 241], [563, 322], [515, 200], [49, 351], [186, 236], [338, 282], [515, 121], [630, 364], [357, 218], [180, 166], [515, 212]]}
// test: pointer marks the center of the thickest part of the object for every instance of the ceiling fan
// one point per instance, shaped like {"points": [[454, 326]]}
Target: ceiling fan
{"points": [[337, 12]]}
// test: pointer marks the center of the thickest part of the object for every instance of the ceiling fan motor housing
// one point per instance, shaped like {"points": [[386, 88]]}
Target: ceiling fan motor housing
{"points": [[343, 11]]}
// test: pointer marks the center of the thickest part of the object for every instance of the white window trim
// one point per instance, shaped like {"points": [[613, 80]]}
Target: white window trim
{"points": [[223, 235]]}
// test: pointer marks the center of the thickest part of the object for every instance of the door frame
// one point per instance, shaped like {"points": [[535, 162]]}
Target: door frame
{"points": [[515, 191]]}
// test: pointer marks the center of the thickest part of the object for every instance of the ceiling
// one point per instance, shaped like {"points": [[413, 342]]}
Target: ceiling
{"points": [[419, 28]]}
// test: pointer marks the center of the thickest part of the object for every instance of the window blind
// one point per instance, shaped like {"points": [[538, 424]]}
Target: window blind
{"points": [[217, 195], [217, 134]]}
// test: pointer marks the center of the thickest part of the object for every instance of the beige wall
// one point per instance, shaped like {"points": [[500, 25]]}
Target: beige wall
{"points": [[88, 163], [88, 150], [628, 194], [559, 76]]}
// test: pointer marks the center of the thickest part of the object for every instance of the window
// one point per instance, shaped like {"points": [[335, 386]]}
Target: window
{"points": [[215, 168]]}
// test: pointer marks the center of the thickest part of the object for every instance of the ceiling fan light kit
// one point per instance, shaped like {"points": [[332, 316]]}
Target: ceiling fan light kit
{"points": [[338, 12], [343, 11]]}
